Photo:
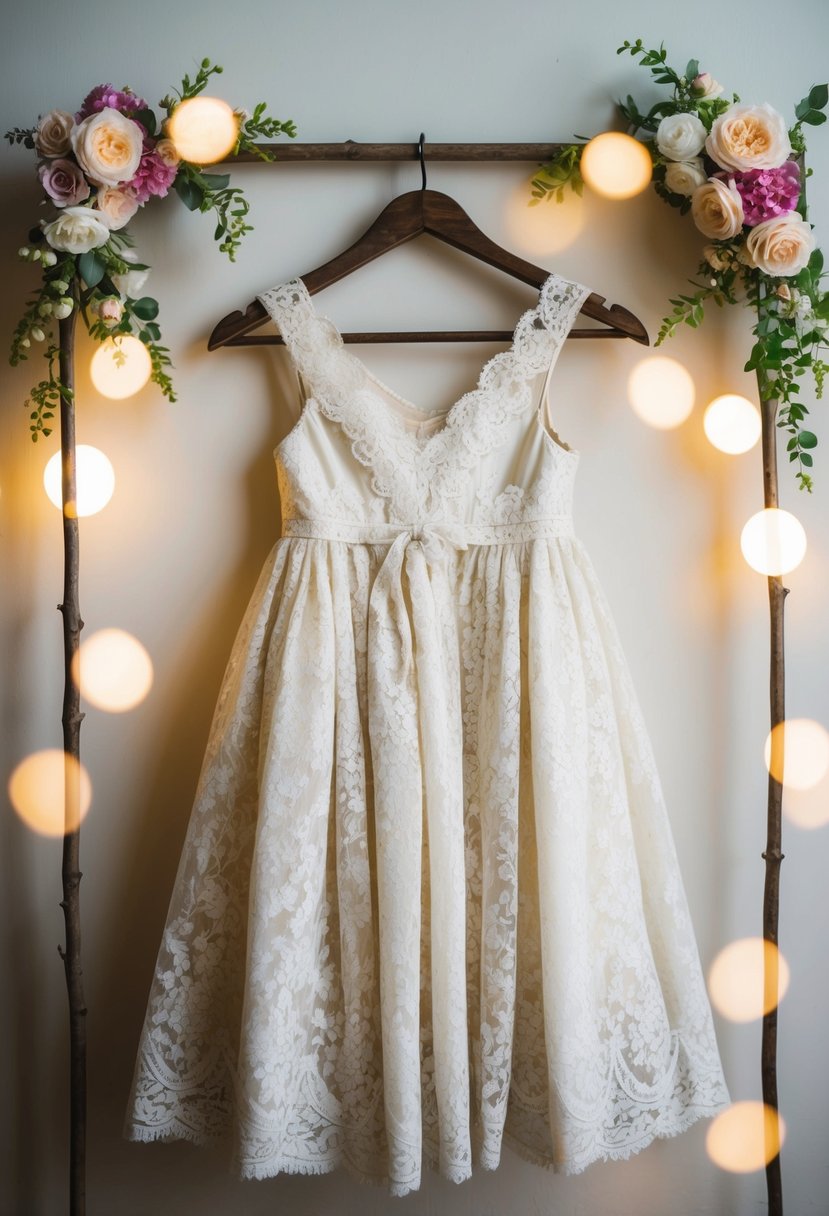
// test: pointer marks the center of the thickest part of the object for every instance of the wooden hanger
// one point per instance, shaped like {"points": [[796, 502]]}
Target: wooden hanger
{"points": [[407, 216]]}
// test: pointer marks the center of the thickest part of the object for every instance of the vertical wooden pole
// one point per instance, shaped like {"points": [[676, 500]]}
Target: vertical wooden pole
{"points": [[772, 854], [72, 718]]}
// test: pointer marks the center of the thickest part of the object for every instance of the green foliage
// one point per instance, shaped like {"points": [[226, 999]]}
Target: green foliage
{"points": [[22, 135], [560, 171], [45, 397]]}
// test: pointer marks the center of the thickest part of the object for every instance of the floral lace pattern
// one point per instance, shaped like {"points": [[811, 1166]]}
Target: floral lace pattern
{"points": [[428, 902]]}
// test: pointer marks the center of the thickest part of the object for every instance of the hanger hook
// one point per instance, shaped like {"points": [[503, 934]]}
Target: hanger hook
{"points": [[422, 162]]}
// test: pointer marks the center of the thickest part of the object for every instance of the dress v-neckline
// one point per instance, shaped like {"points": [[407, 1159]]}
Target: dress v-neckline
{"points": [[374, 388]]}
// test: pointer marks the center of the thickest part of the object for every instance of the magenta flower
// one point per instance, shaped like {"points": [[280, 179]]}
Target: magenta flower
{"points": [[104, 95], [63, 181], [767, 193], [155, 174]]}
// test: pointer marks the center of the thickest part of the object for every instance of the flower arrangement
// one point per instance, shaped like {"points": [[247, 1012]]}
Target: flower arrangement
{"points": [[739, 170], [98, 167]]}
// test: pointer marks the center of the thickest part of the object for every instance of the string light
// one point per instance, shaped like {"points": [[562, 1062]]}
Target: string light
{"points": [[37, 791], [203, 129], [773, 541], [121, 367], [94, 479], [616, 165], [661, 392], [745, 1137], [737, 979], [732, 423], [805, 753], [113, 670]]}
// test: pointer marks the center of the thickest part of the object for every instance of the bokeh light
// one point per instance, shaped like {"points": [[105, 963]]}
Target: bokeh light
{"points": [[94, 481], [548, 226], [37, 791], [203, 129], [616, 165], [121, 367], [737, 979], [745, 1137], [113, 670], [805, 747], [661, 392], [773, 541], [732, 423]]}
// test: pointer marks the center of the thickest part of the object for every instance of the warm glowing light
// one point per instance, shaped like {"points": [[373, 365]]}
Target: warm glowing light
{"points": [[94, 481], [805, 748], [616, 165], [741, 979], [116, 672], [203, 129], [120, 367], [809, 808], [37, 791], [661, 392], [773, 541], [732, 423], [548, 226], [745, 1137]]}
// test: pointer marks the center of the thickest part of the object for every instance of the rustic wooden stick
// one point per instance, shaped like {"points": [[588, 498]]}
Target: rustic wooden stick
{"points": [[72, 718], [772, 855], [351, 150]]}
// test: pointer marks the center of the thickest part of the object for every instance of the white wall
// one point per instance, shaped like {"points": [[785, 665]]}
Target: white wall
{"points": [[175, 556]]}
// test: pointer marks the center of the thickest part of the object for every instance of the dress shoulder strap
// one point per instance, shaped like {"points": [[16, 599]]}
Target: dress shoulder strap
{"points": [[316, 348]]}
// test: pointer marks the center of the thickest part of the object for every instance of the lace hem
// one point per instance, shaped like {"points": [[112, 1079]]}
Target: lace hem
{"points": [[627, 1127]]}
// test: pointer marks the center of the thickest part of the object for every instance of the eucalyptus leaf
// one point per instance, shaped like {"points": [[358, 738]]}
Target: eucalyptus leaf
{"points": [[188, 192], [146, 308], [92, 267], [818, 96]]}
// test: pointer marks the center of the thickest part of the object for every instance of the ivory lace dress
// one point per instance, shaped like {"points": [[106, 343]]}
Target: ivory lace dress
{"points": [[428, 901]]}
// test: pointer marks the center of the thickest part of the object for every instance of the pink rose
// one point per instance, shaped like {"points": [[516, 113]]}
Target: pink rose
{"points": [[64, 182], [110, 311], [116, 205]]}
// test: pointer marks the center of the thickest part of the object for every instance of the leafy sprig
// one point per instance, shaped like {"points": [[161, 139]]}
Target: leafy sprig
{"points": [[45, 396], [562, 169]]}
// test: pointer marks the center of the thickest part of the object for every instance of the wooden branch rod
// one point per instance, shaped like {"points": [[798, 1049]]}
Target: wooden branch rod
{"points": [[351, 150]]}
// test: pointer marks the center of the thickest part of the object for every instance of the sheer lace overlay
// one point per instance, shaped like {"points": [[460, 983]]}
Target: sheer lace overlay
{"points": [[428, 901]]}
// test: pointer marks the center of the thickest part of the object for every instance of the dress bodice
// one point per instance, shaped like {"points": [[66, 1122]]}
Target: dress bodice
{"points": [[360, 454]]}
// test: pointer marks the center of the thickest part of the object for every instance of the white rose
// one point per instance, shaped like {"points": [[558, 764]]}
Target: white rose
{"points": [[683, 176], [680, 136], [749, 137], [131, 281], [717, 209], [780, 246], [76, 230], [116, 206], [167, 151], [108, 147]]}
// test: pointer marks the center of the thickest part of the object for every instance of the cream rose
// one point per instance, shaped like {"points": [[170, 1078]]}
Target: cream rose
{"points": [[53, 134], [108, 147], [749, 137], [131, 281], [110, 310], [704, 85], [714, 258], [680, 136], [77, 230], [167, 151], [683, 176], [780, 246], [116, 206], [717, 209]]}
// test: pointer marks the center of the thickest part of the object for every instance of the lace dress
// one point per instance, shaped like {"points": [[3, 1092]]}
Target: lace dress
{"points": [[428, 902]]}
